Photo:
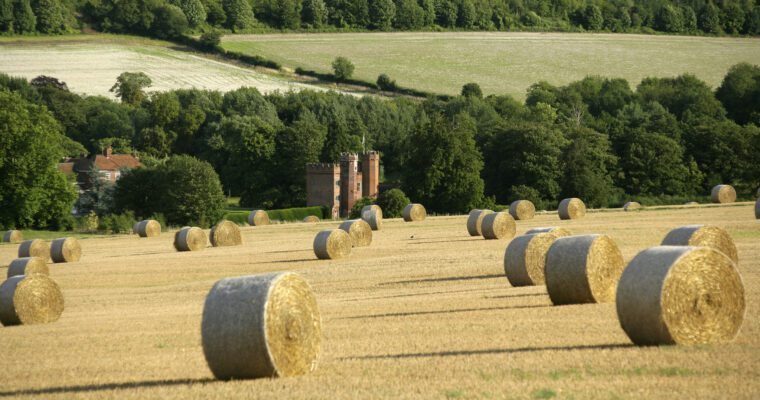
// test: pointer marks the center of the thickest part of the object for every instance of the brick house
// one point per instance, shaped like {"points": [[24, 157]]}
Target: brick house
{"points": [[339, 186], [108, 164]]}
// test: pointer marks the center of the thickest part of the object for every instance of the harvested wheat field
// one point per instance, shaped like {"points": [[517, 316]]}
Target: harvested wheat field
{"points": [[424, 312]]}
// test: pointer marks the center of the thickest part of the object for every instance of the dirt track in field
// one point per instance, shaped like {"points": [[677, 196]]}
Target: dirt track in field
{"points": [[425, 312]]}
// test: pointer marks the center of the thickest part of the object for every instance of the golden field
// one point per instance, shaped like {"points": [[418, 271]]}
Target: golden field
{"points": [[424, 312]]}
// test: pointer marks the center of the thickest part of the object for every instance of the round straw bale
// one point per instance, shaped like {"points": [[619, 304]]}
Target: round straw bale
{"points": [[65, 250], [359, 231], [28, 266], [190, 239], [525, 258], [414, 212], [498, 225], [723, 194], [258, 218], [13, 236], [703, 235], [522, 210], [374, 217], [225, 233], [557, 231], [261, 326], [583, 269], [34, 248], [372, 207], [134, 227], [149, 228], [680, 295], [631, 205], [311, 219], [30, 299], [475, 221], [572, 208], [757, 209], [331, 244]]}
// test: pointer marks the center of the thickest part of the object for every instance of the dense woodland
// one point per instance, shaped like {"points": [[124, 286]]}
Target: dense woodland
{"points": [[169, 19], [598, 139]]}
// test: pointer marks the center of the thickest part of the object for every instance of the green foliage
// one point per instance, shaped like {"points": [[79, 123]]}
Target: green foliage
{"points": [[740, 93], [314, 13], [170, 22], [392, 202], [24, 20], [130, 87], [50, 16], [239, 14], [356, 210], [117, 223], [33, 193], [384, 82], [586, 164], [472, 90], [382, 14], [194, 12], [286, 214], [98, 199], [342, 68], [211, 40]]}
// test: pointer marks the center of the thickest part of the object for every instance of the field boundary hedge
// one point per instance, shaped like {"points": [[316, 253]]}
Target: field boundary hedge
{"points": [[285, 214]]}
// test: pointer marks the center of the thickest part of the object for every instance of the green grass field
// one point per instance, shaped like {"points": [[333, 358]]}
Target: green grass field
{"points": [[503, 62]]}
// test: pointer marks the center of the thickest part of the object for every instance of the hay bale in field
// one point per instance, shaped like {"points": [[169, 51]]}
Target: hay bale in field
{"points": [[498, 225], [703, 235], [572, 208], [631, 205], [258, 218], [34, 248], [261, 326], [225, 233], [522, 209], [190, 239], [525, 258], [13, 236], [680, 295], [583, 269], [148, 228], [28, 266], [374, 217], [414, 212], [475, 221], [311, 219], [332, 244], [723, 194], [359, 231], [30, 299], [553, 229], [372, 207], [65, 250]]}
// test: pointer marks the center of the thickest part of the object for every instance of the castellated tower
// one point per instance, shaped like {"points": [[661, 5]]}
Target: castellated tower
{"points": [[370, 174], [322, 186], [350, 185]]}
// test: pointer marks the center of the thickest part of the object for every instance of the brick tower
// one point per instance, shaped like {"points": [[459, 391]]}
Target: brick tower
{"points": [[370, 174], [322, 186], [350, 190]]}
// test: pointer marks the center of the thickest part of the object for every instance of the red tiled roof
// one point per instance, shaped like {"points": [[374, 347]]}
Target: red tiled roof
{"points": [[116, 162], [66, 167]]}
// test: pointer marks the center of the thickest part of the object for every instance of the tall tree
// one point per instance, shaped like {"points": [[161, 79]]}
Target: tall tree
{"points": [[130, 87]]}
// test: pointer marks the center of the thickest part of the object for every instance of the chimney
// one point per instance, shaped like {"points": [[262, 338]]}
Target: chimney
{"points": [[108, 151]]}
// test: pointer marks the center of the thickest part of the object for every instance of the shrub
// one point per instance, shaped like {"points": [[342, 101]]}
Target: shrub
{"points": [[211, 40], [472, 90], [392, 202], [342, 68], [117, 223], [384, 82], [286, 214]]}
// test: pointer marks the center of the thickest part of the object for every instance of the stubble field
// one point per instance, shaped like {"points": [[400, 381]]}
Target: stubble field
{"points": [[425, 312], [503, 63]]}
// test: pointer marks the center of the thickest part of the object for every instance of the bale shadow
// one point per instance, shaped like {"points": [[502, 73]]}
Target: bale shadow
{"points": [[447, 241], [611, 346], [286, 251], [448, 279], [510, 296], [146, 253], [104, 387], [413, 294], [459, 310], [290, 261]]}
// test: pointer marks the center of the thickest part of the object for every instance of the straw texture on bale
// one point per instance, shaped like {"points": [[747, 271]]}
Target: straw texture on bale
{"points": [[525, 258], [498, 225], [475, 221], [583, 269], [261, 326], [190, 239], [414, 212], [13, 236], [65, 250], [28, 266], [680, 295], [632, 205], [225, 233], [757, 209], [258, 218], [557, 231], [723, 194], [30, 299], [149, 228], [359, 231], [311, 219], [372, 207], [703, 235], [34, 248], [332, 244], [374, 217], [572, 208], [522, 210]]}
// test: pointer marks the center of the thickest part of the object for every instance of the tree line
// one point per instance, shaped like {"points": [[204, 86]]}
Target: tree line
{"points": [[173, 18], [669, 139]]}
